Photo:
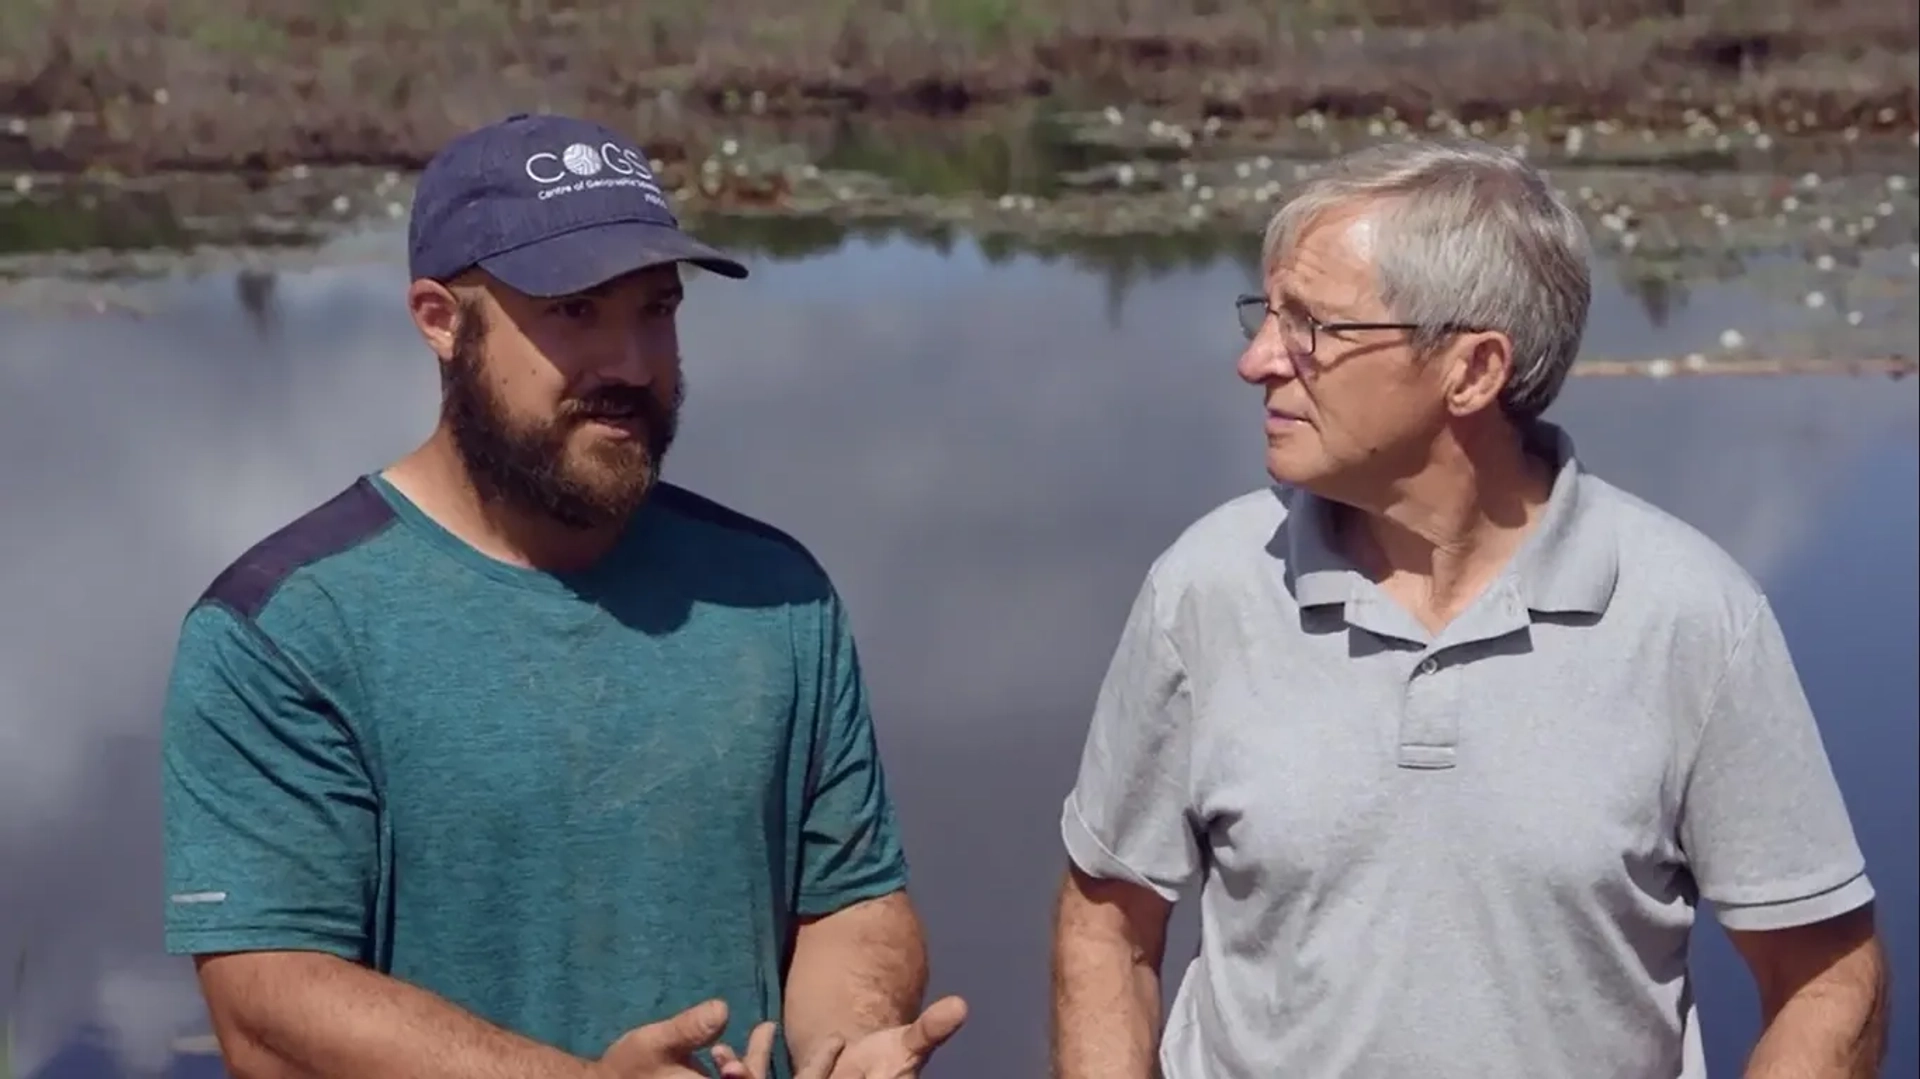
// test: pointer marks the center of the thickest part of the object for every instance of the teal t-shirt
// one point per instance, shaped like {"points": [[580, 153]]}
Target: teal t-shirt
{"points": [[570, 804]]}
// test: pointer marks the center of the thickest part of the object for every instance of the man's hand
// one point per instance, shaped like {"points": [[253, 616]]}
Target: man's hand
{"points": [[900, 1052], [759, 1062], [665, 1050]]}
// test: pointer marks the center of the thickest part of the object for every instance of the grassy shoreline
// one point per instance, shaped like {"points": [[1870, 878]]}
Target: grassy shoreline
{"points": [[139, 86]]}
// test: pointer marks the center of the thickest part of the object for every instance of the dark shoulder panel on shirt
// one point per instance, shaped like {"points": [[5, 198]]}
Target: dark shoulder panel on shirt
{"points": [[705, 510], [343, 522]]}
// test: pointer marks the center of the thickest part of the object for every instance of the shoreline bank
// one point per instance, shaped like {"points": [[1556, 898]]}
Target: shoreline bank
{"points": [[255, 86]]}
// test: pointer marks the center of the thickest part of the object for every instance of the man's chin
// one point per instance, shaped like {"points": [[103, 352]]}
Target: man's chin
{"points": [[599, 501]]}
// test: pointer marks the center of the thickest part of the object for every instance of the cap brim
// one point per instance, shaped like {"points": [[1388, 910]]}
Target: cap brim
{"points": [[585, 258]]}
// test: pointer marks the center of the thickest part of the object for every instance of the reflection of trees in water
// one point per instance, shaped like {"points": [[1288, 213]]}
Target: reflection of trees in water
{"points": [[774, 239], [1659, 297], [1030, 153], [1126, 262], [1660, 284], [259, 299], [1123, 263]]}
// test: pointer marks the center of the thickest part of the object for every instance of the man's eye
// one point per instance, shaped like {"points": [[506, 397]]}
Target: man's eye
{"points": [[574, 309]]}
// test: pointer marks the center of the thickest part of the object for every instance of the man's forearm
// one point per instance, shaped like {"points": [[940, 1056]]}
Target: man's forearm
{"points": [[1106, 1008], [856, 971], [1828, 1030], [1823, 997], [311, 1016], [1108, 940]]}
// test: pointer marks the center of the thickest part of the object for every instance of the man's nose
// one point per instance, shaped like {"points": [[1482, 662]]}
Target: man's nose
{"points": [[1265, 358], [638, 357]]}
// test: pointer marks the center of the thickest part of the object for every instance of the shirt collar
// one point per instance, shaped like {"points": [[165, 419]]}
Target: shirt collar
{"points": [[1569, 563]]}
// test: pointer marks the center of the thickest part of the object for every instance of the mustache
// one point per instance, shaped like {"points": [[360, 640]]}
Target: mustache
{"points": [[616, 402]]}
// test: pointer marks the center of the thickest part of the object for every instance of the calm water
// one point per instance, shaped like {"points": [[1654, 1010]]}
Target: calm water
{"points": [[986, 451]]}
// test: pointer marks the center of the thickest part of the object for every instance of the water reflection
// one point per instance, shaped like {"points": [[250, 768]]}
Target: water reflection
{"points": [[77, 221], [1692, 301], [985, 448], [1690, 297], [995, 156]]}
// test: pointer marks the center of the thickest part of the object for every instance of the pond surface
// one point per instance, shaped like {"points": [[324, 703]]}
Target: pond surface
{"points": [[985, 451]]}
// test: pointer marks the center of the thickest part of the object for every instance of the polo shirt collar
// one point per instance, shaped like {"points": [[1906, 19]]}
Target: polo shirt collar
{"points": [[1571, 561], [1568, 564]]}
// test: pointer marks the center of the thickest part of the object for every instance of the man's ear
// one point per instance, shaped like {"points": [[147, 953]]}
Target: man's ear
{"points": [[1481, 364], [436, 314]]}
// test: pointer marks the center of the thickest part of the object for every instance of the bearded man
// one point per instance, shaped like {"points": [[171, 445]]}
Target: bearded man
{"points": [[513, 759]]}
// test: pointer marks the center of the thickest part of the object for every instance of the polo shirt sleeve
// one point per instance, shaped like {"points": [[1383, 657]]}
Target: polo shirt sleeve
{"points": [[1128, 815], [850, 845], [268, 816], [1763, 825]]}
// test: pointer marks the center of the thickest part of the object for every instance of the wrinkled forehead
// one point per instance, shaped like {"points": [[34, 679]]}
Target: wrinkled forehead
{"points": [[1328, 257]]}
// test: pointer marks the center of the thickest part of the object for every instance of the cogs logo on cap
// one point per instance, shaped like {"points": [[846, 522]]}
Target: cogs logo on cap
{"points": [[578, 168], [581, 159]]}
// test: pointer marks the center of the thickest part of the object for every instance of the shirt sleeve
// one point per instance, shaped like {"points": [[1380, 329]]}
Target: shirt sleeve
{"points": [[1128, 816], [267, 812], [1763, 824], [850, 845]]}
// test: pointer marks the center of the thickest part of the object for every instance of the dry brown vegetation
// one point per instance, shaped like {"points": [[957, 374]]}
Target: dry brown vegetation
{"points": [[144, 84]]}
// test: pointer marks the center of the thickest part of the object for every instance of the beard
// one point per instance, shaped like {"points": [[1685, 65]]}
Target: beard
{"points": [[532, 467]]}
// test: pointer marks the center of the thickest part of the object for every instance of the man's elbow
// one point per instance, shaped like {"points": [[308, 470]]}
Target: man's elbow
{"points": [[247, 996], [1109, 917], [246, 1057], [245, 1048]]}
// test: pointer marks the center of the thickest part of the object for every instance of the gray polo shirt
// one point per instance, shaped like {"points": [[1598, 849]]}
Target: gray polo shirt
{"points": [[1475, 854]]}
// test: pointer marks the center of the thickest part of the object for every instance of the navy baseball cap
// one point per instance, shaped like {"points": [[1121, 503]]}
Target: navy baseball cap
{"points": [[550, 205]]}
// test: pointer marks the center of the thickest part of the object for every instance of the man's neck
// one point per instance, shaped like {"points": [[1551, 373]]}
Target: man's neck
{"points": [[1445, 532], [436, 480]]}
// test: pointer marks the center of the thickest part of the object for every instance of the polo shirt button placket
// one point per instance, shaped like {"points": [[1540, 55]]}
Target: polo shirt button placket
{"points": [[1429, 727]]}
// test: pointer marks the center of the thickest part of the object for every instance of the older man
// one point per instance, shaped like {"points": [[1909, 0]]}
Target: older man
{"points": [[1450, 734]]}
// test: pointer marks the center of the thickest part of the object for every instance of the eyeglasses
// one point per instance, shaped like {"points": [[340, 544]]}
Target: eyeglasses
{"points": [[1300, 332]]}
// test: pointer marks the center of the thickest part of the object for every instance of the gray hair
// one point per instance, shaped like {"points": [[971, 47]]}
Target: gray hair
{"points": [[1471, 235]]}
